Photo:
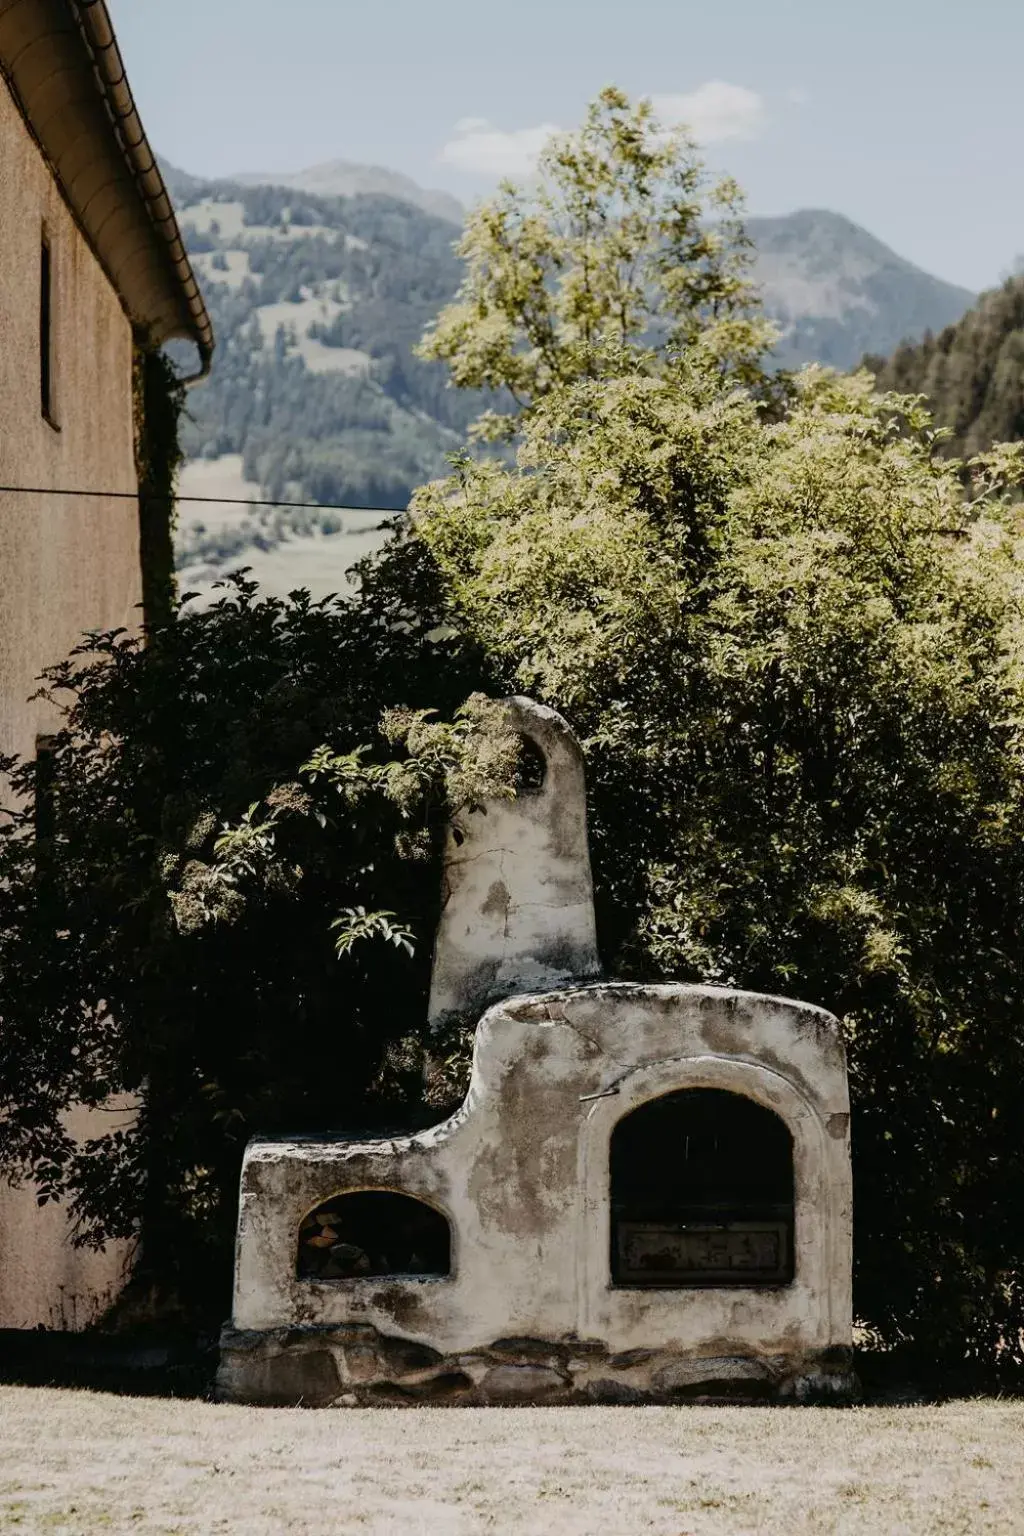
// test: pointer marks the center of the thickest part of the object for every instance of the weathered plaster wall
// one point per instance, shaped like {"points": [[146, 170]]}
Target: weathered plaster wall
{"points": [[522, 1174], [518, 902], [65, 566]]}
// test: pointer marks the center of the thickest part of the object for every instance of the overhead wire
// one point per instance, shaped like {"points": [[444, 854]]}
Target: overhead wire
{"points": [[213, 501]]}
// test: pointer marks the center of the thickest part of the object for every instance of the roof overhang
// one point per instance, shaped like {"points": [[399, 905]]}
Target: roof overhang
{"points": [[61, 61]]}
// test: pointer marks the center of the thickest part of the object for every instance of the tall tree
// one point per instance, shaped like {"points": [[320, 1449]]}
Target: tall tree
{"points": [[622, 254], [790, 644]]}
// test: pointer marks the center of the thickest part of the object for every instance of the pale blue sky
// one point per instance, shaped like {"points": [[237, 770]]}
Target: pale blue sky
{"points": [[902, 114]]}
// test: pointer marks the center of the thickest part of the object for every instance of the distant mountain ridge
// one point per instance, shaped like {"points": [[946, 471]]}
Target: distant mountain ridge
{"points": [[837, 292], [333, 178]]}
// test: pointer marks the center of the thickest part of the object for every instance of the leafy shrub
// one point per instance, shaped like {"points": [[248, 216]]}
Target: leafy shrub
{"points": [[169, 933], [793, 655]]}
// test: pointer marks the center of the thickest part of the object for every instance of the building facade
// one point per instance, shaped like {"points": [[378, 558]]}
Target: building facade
{"points": [[92, 271]]}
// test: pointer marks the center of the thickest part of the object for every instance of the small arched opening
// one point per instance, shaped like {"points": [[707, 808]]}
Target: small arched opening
{"points": [[701, 1184], [531, 768], [370, 1233]]}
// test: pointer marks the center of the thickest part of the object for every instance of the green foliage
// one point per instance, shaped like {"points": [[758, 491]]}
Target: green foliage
{"points": [[972, 373], [792, 652], [220, 794], [790, 641], [622, 250], [158, 407], [356, 924]]}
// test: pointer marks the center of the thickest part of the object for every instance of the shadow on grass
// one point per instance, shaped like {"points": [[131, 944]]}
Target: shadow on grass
{"points": [[146, 1363], [909, 1376]]}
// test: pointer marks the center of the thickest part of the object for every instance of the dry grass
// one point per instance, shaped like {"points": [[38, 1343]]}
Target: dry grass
{"points": [[81, 1462]]}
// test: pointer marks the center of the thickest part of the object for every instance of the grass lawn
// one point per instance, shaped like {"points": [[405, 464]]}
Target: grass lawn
{"points": [[83, 1462]]}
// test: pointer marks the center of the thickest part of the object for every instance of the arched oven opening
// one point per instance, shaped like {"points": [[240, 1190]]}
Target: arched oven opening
{"points": [[701, 1193], [370, 1233]]}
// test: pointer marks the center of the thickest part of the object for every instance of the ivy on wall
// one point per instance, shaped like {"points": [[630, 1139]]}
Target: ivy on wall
{"points": [[158, 401]]}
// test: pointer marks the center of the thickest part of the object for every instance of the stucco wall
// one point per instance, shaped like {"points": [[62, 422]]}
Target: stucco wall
{"points": [[65, 566], [522, 1174], [517, 911]]}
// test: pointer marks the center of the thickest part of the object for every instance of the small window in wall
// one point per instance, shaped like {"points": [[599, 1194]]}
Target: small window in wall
{"points": [[371, 1233], [531, 768], [701, 1193], [46, 393]]}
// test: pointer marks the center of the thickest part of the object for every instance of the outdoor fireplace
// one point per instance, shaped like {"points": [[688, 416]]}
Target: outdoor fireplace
{"points": [[644, 1197]]}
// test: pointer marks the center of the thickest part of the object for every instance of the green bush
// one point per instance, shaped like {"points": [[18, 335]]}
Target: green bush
{"points": [[793, 655], [169, 931]]}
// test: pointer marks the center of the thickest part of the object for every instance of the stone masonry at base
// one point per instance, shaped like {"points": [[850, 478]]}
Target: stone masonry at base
{"points": [[644, 1197]]}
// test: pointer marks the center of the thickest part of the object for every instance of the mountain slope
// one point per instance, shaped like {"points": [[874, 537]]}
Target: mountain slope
{"points": [[836, 292], [317, 303], [972, 372]]}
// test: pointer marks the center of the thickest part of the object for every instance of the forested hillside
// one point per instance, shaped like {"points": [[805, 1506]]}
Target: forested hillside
{"points": [[972, 372], [317, 303]]}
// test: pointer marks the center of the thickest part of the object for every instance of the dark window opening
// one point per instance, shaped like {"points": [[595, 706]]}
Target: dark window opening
{"points": [[372, 1233], [701, 1193], [531, 767], [45, 331]]}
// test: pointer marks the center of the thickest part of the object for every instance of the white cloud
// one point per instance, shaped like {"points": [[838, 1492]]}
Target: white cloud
{"points": [[713, 112], [479, 146]]}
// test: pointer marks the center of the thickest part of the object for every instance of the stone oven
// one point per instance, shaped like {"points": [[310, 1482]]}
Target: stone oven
{"points": [[644, 1197]]}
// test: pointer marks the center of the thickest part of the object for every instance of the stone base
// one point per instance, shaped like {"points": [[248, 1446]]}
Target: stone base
{"points": [[355, 1366]]}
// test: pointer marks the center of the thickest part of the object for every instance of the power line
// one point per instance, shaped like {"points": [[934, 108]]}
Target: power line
{"points": [[213, 501]]}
